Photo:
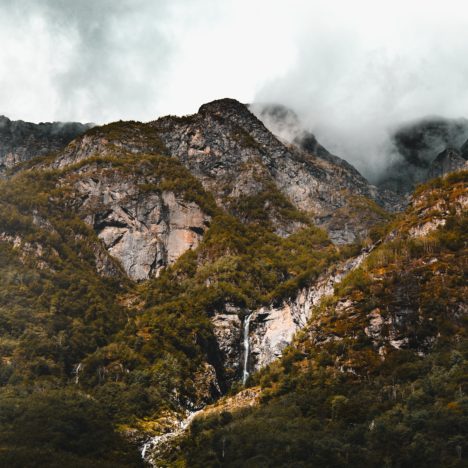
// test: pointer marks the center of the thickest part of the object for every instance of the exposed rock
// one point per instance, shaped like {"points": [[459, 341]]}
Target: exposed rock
{"points": [[21, 141], [29, 251], [424, 229], [105, 264], [273, 327], [206, 385], [286, 125], [233, 154], [448, 161], [143, 231], [156, 448], [227, 327], [416, 148], [433, 214]]}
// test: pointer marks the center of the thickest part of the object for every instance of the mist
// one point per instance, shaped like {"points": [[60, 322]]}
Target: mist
{"points": [[361, 74], [352, 71]]}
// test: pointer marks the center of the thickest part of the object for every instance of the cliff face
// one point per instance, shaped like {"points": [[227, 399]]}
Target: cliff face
{"points": [[143, 231], [394, 299], [418, 147], [272, 328], [21, 141], [447, 161], [236, 157]]}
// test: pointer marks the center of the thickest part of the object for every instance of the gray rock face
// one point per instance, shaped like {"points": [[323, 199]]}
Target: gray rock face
{"points": [[227, 327], [234, 155], [448, 161], [21, 141], [417, 147], [273, 327], [143, 231]]}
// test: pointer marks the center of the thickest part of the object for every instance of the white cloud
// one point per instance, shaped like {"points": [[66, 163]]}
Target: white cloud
{"points": [[351, 69]]}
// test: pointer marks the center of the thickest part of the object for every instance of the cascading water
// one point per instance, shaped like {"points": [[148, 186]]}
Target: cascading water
{"points": [[245, 373], [155, 444]]}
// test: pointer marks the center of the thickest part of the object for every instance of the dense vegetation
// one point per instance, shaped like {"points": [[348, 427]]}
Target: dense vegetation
{"points": [[347, 395], [86, 358], [87, 352]]}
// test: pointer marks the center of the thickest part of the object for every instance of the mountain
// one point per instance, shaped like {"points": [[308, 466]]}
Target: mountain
{"points": [[376, 377], [21, 141], [447, 161], [417, 146], [191, 281]]}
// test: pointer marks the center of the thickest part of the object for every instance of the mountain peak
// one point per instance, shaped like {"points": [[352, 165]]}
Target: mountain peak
{"points": [[222, 106], [447, 161]]}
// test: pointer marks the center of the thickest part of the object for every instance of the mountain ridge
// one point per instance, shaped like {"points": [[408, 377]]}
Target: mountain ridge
{"points": [[150, 269]]}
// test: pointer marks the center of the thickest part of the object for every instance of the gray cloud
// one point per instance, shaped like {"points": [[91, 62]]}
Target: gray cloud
{"points": [[351, 70], [362, 73], [86, 59]]}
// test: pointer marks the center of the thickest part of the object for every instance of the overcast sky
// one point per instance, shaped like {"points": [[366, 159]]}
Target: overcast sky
{"points": [[351, 69]]}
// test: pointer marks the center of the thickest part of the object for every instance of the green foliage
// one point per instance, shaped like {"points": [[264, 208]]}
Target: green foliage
{"points": [[245, 265], [59, 428], [341, 398], [446, 182], [80, 353], [130, 133], [156, 174], [268, 204]]}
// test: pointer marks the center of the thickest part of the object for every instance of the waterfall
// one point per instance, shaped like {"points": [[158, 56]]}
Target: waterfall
{"points": [[156, 444], [245, 373], [77, 369]]}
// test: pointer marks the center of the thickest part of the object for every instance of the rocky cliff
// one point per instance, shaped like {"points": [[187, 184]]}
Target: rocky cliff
{"points": [[21, 141], [379, 362], [417, 147], [144, 230], [237, 158]]}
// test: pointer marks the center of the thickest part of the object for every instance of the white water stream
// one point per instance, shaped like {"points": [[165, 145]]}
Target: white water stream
{"points": [[245, 373], [153, 446]]}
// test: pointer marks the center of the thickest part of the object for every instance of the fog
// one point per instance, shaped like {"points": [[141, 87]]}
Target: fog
{"points": [[352, 71]]}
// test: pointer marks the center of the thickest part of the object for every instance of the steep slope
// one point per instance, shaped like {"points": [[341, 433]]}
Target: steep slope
{"points": [[140, 209], [241, 162], [71, 241], [79, 230], [249, 171], [118, 264], [417, 147], [21, 141], [54, 311], [447, 161], [377, 377], [148, 269]]}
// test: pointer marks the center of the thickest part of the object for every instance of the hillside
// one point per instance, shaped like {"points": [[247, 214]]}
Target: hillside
{"points": [[378, 375], [149, 269], [22, 141], [420, 152]]}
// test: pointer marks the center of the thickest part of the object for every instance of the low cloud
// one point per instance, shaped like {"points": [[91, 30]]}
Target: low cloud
{"points": [[353, 71], [364, 70]]}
